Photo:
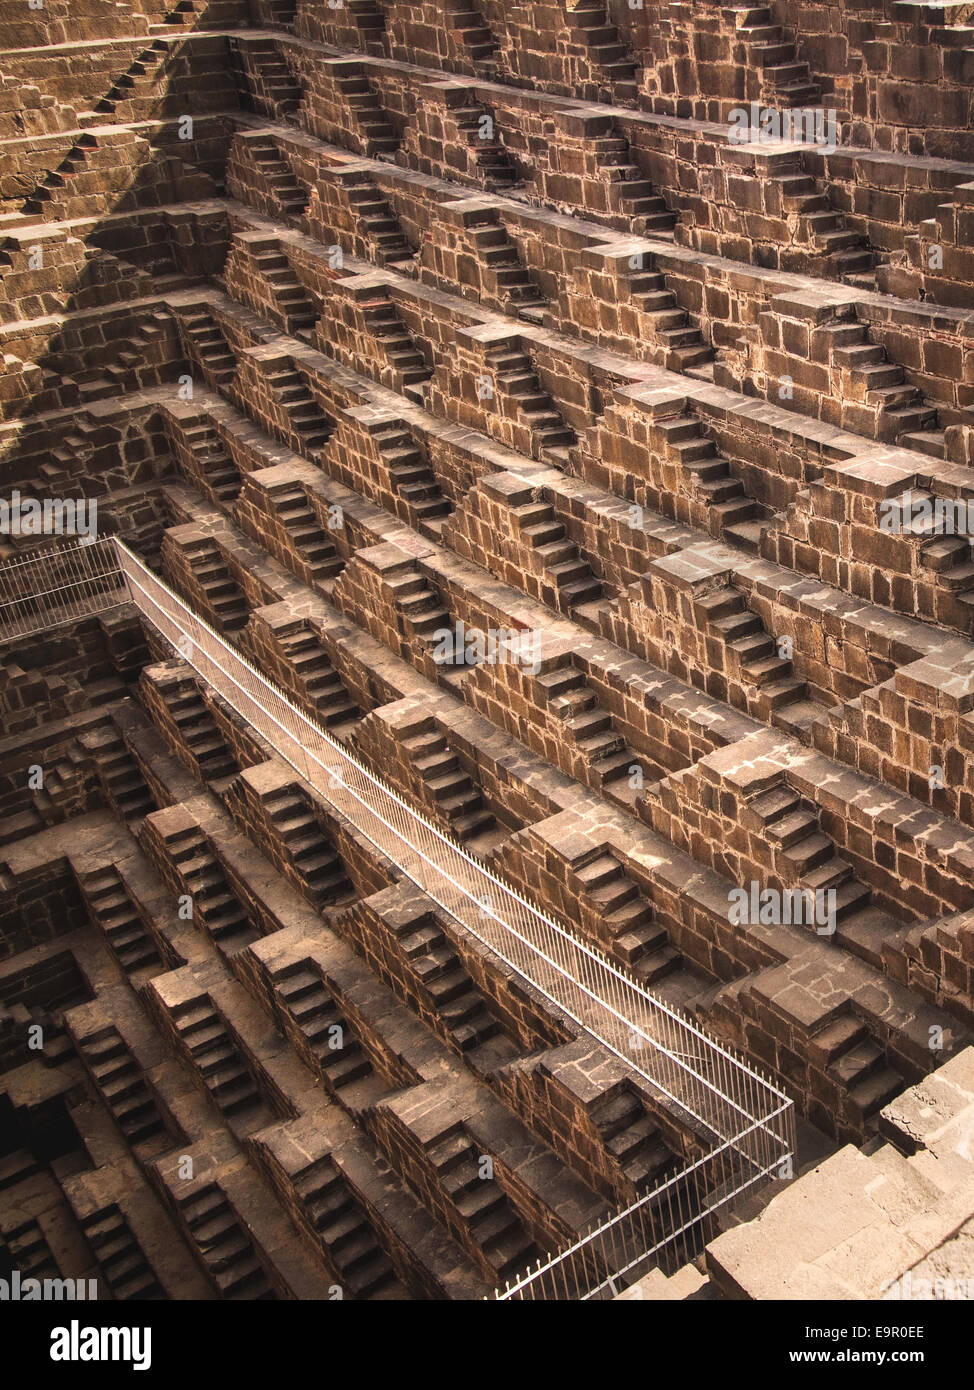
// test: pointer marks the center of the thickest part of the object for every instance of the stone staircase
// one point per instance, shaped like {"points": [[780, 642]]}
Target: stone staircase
{"points": [[470, 31], [858, 1064], [30, 696], [104, 173], [574, 584], [296, 310], [216, 1058], [28, 1250], [122, 1085], [70, 456], [400, 351], [215, 904], [51, 188], [457, 798], [787, 81], [432, 961], [302, 994], [113, 910], [903, 413], [212, 468], [633, 1140], [491, 1219], [208, 346], [364, 106], [306, 534], [278, 175], [735, 515], [423, 615], [225, 1250], [316, 864], [669, 325], [491, 158], [125, 373], [26, 810], [846, 253], [937, 567], [325, 695], [143, 358], [604, 754], [625, 916], [121, 1260], [195, 726], [379, 225], [516, 379], [146, 66], [412, 478], [368, 18], [949, 558], [119, 775], [280, 91], [306, 420], [224, 600], [630, 192], [782, 698], [365, 1269], [806, 858], [105, 276], [504, 271], [588, 23]]}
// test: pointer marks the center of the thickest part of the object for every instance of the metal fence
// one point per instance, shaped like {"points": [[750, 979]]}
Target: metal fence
{"points": [[667, 1226], [50, 588], [738, 1118]]}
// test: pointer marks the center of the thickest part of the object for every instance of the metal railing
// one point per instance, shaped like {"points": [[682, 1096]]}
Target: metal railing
{"points": [[50, 588], [666, 1228], [741, 1122]]}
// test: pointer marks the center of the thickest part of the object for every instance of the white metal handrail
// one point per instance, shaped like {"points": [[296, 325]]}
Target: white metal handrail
{"points": [[743, 1121], [60, 585]]}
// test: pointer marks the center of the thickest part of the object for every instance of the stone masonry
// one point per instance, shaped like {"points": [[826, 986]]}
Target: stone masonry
{"points": [[570, 406]]}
